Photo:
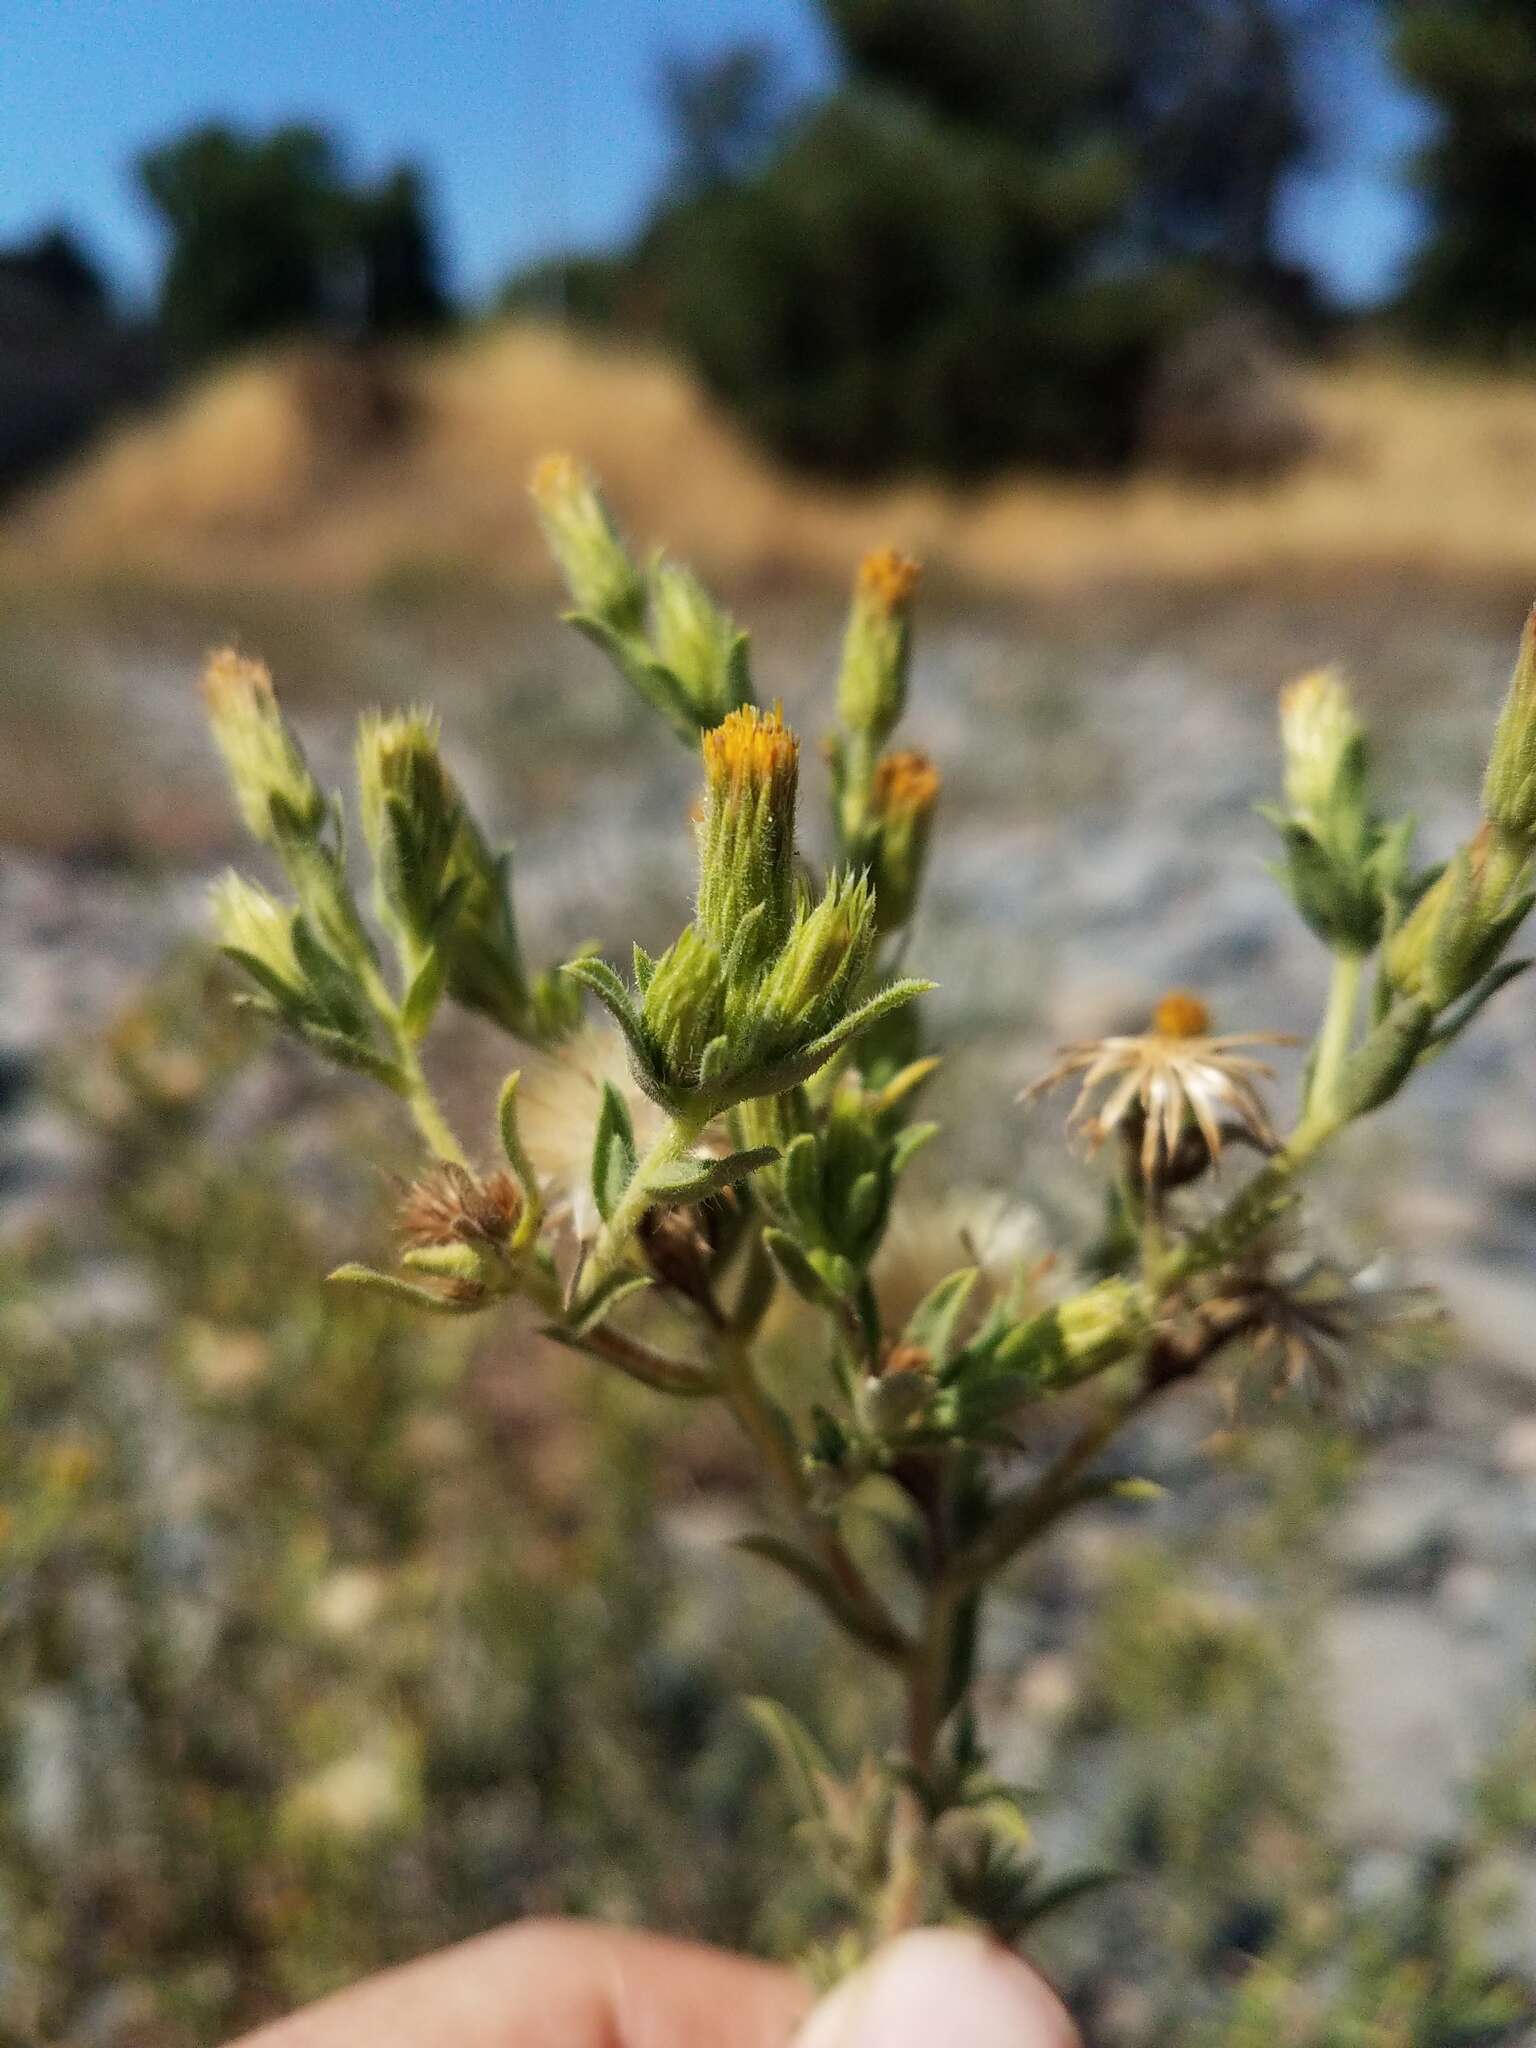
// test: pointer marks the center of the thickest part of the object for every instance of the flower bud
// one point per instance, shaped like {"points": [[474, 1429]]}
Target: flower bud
{"points": [[816, 976], [598, 572], [278, 797], [906, 789], [697, 643], [1509, 789], [1461, 924], [257, 930], [747, 839], [1324, 746], [411, 813], [872, 685], [684, 1005], [483, 956]]}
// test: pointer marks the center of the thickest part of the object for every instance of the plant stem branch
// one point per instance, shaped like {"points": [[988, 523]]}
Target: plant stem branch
{"points": [[763, 1426], [675, 1141], [1337, 1033]]}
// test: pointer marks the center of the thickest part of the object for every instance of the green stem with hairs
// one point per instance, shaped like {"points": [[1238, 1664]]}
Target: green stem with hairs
{"points": [[1337, 1033], [675, 1142]]}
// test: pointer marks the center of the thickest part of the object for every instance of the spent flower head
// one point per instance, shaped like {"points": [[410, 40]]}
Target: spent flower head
{"points": [[1156, 1084]]}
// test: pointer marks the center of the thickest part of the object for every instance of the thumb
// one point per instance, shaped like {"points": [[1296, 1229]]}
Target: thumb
{"points": [[940, 1985]]}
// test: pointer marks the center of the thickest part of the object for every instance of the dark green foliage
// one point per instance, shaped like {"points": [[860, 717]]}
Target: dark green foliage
{"points": [[974, 250], [270, 237], [1474, 283]]}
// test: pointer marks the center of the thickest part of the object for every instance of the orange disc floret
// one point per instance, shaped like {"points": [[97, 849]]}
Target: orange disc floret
{"points": [[751, 749], [553, 474], [906, 781], [231, 680], [1181, 1015], [890, 579]]}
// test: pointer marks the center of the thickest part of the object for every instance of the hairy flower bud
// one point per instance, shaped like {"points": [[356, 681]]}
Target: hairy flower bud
{"points": [[1459, 927], [747, 838], [279, 799], [257, 930], [906, 789], [697, 643], [816, 975], [411, 812], [684, 1005], [872, 684], [1509, 789], [584, 541], [1324, 746]]}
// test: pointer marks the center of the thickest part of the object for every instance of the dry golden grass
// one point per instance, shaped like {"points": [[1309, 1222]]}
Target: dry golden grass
{"points": [[1418, 474]]}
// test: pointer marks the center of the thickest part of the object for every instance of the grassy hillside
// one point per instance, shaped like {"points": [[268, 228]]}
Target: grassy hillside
{"points": [[295, 471]]}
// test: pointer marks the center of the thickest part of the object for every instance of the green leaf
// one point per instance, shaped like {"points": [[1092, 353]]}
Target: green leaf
{"points": [[794, 1263], [613, 1152], [394, 1288], [645, 967], [878, 1006], [908, 1144], [931, 1326], [1456, 1019], [692, 1179], [597, 976], [423, 996], [802, 1180], [799, 1756], [353, 1053], [587, 1311]]}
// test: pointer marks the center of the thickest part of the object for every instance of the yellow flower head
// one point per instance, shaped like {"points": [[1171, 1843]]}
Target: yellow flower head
{"points": [[747, 838], [888, 580]]}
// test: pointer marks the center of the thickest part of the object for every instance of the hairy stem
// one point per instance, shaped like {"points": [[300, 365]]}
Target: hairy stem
{"points": [[763, 1426], [424, 1106], [674, 1143], [1337, 1033]]}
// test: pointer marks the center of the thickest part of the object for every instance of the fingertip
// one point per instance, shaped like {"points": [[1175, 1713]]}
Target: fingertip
{"points": [[942, 1984]]}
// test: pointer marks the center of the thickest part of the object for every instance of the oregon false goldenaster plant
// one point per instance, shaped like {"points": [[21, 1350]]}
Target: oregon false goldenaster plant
{"points": [[729, 1123]]}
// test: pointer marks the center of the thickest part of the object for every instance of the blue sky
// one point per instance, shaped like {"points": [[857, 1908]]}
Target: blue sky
{"points": [[536, 119]]}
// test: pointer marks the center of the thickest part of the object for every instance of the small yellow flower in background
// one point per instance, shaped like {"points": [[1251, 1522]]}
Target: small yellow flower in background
{"points": [[1323, 742], [1177, 1070], [902, 803], [872, 685], [585, 542], [267, 770]]}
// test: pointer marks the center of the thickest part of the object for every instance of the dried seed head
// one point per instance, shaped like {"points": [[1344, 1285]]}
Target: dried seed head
{"points": [[449, 1205]]}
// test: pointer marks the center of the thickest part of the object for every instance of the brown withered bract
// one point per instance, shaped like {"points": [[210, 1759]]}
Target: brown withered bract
{"points": [[450, 1205]]}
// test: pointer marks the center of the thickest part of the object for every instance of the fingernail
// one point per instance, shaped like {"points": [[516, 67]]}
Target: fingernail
{"points": [[941, 1986]]}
